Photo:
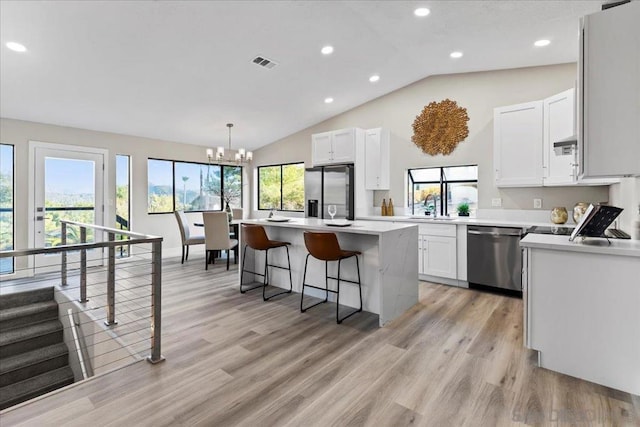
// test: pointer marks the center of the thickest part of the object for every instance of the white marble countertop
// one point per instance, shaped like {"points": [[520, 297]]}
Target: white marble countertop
{"points": [[590, 245], [466, 221], [356, 227]]}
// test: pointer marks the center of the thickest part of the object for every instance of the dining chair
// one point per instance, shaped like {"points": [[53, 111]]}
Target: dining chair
{"points": [[216, 237], [237, 213], [185, 235]]}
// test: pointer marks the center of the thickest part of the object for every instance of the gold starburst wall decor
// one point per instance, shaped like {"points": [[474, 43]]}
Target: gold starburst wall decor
{"points": [[440, 127]]}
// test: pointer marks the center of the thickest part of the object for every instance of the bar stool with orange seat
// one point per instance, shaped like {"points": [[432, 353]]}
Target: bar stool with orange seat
{"points": [[325, 247], [255, 237]]}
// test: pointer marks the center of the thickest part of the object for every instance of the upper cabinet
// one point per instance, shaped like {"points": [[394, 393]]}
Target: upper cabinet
{"points": [[609, 67], [559, 123], [334, 147], [376, 154], [524, 137], [517, 145]]}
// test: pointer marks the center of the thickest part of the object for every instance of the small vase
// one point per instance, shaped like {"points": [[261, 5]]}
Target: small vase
{"points": [[559, 215], [463, 213], [578, 211], [227, 208], [383, 208]]}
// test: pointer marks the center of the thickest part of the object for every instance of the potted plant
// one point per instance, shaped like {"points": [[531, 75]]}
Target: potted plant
{"points": [[463, 209]]}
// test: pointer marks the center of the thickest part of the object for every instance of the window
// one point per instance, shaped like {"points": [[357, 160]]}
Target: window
{"points": [[427, 187], [6, 206], [123, 199], [281, 187], [192, 187]]}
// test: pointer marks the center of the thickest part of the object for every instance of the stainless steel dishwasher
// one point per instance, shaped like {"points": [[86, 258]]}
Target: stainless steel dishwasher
{"points": [[494, 257]]}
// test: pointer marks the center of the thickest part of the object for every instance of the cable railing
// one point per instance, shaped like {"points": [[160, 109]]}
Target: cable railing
{"points": [[116, 302]]}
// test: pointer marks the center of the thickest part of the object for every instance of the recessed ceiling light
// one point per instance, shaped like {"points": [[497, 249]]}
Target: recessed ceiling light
{"points": [[374, 78], [421, 11], [456, 54], [327, 50], [16, 47], [328, 100], [541, 43]]}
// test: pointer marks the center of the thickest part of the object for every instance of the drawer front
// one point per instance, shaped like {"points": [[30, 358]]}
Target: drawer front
{"points": [[446, 230]]}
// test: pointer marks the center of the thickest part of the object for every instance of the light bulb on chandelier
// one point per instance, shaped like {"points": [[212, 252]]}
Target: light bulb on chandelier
{"points": [[241, 156]]}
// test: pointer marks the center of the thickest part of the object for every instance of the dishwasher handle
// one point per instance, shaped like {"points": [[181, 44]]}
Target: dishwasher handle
{"points": [[487, 233]]}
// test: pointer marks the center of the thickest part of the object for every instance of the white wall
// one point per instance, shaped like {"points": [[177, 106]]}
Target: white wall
{"points": [[19, 133], [479, 93], [626, 195]]}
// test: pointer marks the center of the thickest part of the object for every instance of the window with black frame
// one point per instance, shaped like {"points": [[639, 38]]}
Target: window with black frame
{"points": [[7, 228], [281, 187], [442, 190], [192, 187]]}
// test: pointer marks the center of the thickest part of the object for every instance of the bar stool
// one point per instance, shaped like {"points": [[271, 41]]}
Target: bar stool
{"points": [[325, 247], [255, 237]]}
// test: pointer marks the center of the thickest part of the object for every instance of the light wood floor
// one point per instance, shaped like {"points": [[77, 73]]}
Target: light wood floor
{"points": [[455, 359]]}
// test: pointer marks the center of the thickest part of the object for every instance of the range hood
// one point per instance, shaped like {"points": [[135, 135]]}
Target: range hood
{"points": [[566, 142]]}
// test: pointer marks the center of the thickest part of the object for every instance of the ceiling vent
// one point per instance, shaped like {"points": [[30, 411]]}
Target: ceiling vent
{"points": [[264, 62]]}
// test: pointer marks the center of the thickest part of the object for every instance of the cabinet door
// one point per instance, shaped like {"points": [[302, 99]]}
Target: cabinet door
{"points": [[517, 139], [321, 148], [421, 254], [611, 92], [439, 254], [377, 159], [343, 146], [559, 123]]}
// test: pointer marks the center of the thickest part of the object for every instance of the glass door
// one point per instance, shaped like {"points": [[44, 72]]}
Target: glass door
{"points": [[69, 185]]}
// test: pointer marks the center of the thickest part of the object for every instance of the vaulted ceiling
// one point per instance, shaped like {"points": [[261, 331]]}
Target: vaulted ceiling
{"points": [[181, 70]]}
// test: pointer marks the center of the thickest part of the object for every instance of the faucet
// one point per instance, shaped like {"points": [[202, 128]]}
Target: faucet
{"points": [[435, 202]]}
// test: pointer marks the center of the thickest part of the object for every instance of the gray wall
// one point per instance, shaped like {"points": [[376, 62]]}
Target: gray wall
{"points": [[479, 93]]}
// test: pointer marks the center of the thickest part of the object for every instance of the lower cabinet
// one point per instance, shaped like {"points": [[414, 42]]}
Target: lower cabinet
{"points": [[437, 250]]}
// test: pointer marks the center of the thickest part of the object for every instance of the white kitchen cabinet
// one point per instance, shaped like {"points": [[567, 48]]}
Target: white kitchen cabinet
{"points": [[517, 139], [377, 147], [334, 147], [439, 256], [437, 250], [559, 123], [609, 67]]}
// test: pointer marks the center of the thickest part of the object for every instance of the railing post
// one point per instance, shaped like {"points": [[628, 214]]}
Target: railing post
{"points": [[63, 263], [156, 287], [83, 266], [111, 284]]}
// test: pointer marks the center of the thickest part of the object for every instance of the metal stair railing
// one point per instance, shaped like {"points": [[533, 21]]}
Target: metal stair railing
{"points": [[130, 269]]}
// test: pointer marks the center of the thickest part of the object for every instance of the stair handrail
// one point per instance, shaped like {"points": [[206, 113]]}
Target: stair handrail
{"points": [[111, 244]]}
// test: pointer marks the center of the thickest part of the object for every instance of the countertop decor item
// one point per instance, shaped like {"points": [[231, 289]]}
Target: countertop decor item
{"points": [[390, 208], [463, 209], [383, 208], [578, 210], [559, 215], [440, 127]]}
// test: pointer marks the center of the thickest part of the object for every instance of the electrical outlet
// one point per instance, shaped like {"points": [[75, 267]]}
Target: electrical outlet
{"points": [[496, 203], [537, 203]]}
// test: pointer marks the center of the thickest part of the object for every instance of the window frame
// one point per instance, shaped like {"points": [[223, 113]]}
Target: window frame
{"points": [[443, 182], [281, 165], [173, 182], [13, 207]]}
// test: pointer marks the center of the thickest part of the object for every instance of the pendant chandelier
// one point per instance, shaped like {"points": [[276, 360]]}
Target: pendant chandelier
{"points": [[241, 156]]}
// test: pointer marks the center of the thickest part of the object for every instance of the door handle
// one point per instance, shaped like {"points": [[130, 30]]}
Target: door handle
{"points": [[41, 218]]}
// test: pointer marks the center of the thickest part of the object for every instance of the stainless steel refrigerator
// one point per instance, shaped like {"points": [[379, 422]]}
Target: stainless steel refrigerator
{"points": [[329, 185]]}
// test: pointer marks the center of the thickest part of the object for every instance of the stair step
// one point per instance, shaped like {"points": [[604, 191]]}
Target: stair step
{"points": [[24, 390], [27, 314], [35, 362], [30, 337], [24, 298]]}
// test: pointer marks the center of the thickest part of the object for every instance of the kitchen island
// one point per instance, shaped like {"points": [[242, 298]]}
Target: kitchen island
{"points": [[388, 264], [581, 307]]}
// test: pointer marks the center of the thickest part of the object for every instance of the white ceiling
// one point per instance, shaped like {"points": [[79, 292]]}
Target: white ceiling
{"points": [[180, 70]]}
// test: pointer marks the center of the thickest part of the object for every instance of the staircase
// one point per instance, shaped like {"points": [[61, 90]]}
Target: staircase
{"points": [[34, 359]]}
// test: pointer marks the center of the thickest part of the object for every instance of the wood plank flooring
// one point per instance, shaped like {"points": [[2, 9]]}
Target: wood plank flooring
{"points": [[455, 359]]}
